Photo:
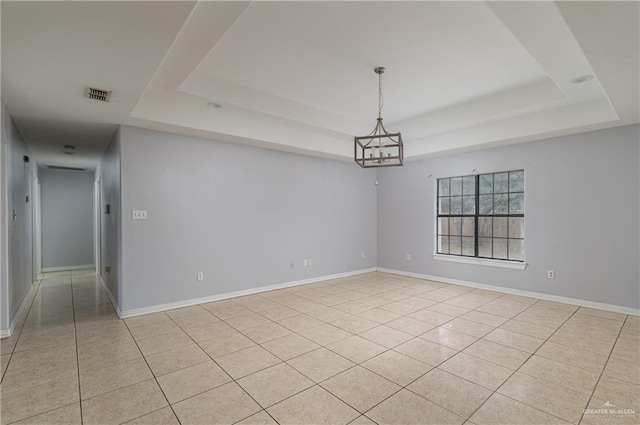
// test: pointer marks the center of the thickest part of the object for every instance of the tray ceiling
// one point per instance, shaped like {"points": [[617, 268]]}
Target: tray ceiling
{"points": [[298, 76]]}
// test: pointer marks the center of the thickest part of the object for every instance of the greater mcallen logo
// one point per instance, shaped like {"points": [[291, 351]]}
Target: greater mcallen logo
{"points": [[609, 409]]}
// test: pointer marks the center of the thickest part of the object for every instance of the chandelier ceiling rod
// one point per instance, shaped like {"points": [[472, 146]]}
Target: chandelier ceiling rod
{"points": [[379, 70]]}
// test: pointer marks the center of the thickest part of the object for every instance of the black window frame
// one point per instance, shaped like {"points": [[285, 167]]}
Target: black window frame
{"points": [[477, 215]]}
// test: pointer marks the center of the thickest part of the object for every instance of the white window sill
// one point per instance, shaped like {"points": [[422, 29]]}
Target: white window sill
{"points": [[481, 261]]}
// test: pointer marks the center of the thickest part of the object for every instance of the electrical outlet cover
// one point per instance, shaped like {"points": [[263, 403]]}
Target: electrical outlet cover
{"points": [[139, 214]]}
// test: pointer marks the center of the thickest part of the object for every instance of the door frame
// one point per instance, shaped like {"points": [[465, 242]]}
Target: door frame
{"points": [[97, 226], [36, 216]]}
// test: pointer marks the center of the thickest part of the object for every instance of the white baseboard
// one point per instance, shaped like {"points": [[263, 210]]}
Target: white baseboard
{"points": [[6, 333], [64, 268], [540, 295], [186, 303], [110, 295]]}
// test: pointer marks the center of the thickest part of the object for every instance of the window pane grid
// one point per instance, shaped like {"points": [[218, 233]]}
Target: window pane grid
{"points": [[482, 216]]}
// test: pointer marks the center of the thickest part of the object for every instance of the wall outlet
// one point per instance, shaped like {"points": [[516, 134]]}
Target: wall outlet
{"points": [[139, 214], [309, 261], [305, 262], [107, 269], [200, 276], [408, 257], [551, 274], [363, 255], [293, 265]]}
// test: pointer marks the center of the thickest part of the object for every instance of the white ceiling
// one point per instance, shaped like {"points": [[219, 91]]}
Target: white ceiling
{"points": [[323, 55], [298, 76]]}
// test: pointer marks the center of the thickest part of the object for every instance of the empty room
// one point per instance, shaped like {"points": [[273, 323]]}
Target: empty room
{"points": [[320, 212]]}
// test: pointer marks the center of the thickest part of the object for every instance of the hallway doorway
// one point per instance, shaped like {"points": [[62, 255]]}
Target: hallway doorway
{"points": [[67, 205]]}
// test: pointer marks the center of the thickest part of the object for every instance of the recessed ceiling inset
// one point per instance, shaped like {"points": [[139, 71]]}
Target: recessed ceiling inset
{"points": [[582, 79], [442, 53]]}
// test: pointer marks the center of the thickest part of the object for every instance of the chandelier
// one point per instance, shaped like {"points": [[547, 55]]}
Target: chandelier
{"points": [[379, 148]]}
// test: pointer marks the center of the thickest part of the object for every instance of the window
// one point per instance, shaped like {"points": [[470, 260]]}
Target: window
{"points": [[482, 216]]}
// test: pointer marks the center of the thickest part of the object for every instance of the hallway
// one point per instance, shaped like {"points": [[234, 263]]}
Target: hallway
{"points": [[366, 349], [68, 326]]}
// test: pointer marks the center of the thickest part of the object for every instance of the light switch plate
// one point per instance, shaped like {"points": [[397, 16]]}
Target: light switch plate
{"points": [[139, 214]]}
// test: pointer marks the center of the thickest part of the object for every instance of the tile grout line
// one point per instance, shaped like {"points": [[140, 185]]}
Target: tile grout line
{"points": [[152, 374], [437, 367], [355, 364], [351, 334], [532, 354], [26, 315], [75, 338], [281, 360], [136, 345], [380, 324], [126, 386], [320, 346], [405, 387], [414, 337], [271, 321], [318, 384], [515, 371], [20, 334], [603, 369], [221, 368]]}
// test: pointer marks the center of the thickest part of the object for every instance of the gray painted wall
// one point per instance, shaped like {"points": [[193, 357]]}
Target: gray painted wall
{"points": [[238, 214], [16, 263], [4, 223], [67, 218], [110, 236], [581, 220]]}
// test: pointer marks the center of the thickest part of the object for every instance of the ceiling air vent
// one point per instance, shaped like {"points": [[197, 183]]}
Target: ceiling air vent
{"points": [[61, 167], [97, 94]]}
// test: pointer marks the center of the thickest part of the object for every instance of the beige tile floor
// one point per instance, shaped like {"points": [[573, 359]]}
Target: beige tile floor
{"points": [[373, 348]]}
